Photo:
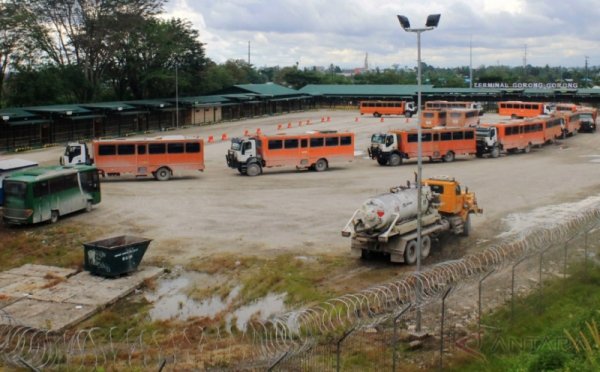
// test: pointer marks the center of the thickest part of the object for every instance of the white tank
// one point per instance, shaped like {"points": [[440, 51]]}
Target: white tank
{"points": [[378, 212]]}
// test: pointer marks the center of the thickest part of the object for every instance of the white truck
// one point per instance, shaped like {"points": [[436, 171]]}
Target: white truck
{"points": [[387, 223]]}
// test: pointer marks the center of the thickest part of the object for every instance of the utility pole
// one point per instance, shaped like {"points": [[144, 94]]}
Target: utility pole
{"points": [[248, 52], [587, 79], [471, 62], [525, 63]]}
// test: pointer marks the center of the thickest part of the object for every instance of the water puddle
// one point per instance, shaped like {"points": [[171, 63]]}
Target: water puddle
{"points": [[171, 301]]}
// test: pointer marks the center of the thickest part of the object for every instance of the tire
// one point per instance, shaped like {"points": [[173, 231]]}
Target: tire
{"points": [[467, 226], [425, 246], [54, 216], [376, 114], [527, 148], [241, 170], [162, 174], [381, 161], [449, 157], [88, 206], [479, 154], [495, 152], [395, 160], [321, 165], [253, 169], [410, 252], [365, 254]]}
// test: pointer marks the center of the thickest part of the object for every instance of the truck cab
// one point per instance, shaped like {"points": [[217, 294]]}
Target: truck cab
{"points": [[244, 155], [487, 141], [384, 147], [75, 153]]}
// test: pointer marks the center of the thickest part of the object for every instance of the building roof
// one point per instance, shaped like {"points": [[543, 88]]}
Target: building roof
{"points": [[363, 90], [268, 90]]}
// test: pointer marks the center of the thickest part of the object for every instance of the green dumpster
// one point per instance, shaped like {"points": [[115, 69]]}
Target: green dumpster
{"points": [[114, 256]]}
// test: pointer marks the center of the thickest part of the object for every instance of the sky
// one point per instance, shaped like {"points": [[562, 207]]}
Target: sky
{"points": [[341, 32]]}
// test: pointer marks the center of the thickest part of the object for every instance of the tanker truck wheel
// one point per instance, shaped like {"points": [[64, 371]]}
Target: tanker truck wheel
{"points": [[425, 246], [395, 160], [410, 252], [467, 226]]}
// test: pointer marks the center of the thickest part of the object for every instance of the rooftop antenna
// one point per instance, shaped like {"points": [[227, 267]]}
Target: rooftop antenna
{"points": [[248, 52]]}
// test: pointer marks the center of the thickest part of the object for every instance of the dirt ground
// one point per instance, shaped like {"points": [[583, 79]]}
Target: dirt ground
{"points": [[197, 215]]}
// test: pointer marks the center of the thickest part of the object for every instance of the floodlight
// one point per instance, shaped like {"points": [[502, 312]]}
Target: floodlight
{"points": [[404, 22], [432, 20]]}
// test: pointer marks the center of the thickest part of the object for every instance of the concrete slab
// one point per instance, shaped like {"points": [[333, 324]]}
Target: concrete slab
{"points": [[61, 303], [41, 271]]}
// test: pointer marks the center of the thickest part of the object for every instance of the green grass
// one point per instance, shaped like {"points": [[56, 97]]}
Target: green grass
{"points": [[540, 338]]}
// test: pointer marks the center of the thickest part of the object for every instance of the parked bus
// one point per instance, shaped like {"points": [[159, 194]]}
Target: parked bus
{"points": [[442, 105], [587, 119], [519, 109], [159, 157], [570, 122], [379, 108], [518, 135], [313, 150], [431, 118], [437, 144], [462, 118], [565, 107], [553, 128], [46, 193], [9, 166]]}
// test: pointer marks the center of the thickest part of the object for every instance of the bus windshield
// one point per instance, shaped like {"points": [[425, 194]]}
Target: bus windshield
{"points": [[15, 189], [378, 138], [483, 132], [236, 144]]}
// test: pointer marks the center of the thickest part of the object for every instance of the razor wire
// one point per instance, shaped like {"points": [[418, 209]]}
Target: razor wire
{"points": [[284, 336]]}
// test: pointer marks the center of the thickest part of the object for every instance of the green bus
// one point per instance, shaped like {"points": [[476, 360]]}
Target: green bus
{"points": [[46, 193]]}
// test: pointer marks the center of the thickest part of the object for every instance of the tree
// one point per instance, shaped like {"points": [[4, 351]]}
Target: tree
{"points": [[87, 33]]}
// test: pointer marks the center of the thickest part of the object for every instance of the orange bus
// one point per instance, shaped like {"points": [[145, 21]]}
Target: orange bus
{"points": [[553, 128], [313, 150], [378, 108], [431, 118], [159, 156], [570, 122], [441, 105], [462, 118], [565, 107], [518, 135], [437, 144], [520, 109]]}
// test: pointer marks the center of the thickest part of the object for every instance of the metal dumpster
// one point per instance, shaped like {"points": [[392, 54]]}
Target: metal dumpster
{"points": [[114, 256]]}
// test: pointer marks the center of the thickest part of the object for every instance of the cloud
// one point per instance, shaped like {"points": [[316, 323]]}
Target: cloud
{"points": [[341, 32]]}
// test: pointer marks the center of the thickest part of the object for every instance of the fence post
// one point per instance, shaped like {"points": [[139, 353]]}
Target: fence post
{"points": [[339, 347], [512, 289], [479, 303], [277, 361], [442, 327], [540, 277], [395, 339]]}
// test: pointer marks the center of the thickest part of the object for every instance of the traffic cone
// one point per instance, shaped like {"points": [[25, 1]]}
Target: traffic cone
{"points": [[289, 124], [381, 120], [328, 118], [407, 120], [246, 133], [356, 119], [300, 123], [258, 131], [279, 126], [211, 139], [322, 119], [308, 122], [224, 137]]}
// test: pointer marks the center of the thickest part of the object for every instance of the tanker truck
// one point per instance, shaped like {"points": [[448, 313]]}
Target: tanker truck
{"points": [[387, 223]]}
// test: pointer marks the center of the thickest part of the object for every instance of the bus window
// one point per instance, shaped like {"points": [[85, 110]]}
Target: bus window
{"points": [[425, 137], [126, 149], [14, 189], [291, 143], [457, 135], [275, 144], [332, 141], [89, 181], [107, 150], [469, 135], [192, 147], [141, 149], [303, 143], [346, 140], [316, 142], [175, 148], [40, 189], [446, 136], [156, 148]]}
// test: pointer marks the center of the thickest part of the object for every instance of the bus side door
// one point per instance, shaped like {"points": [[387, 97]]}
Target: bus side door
{"points": [[41, 202]]}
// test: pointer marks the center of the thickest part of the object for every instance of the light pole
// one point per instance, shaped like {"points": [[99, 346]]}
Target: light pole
{"points": [[176, 96], [430, 24]]}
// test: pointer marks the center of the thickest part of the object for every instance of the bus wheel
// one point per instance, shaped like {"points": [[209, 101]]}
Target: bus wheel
{"points": [[495, 152], [54, 216], [162, 174], [410, 252], [425, 246], [88, 206], [376, 114], [253, 169], [527, 148], [321, 165], [382, 161], [395, 160], [449, 157]]}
